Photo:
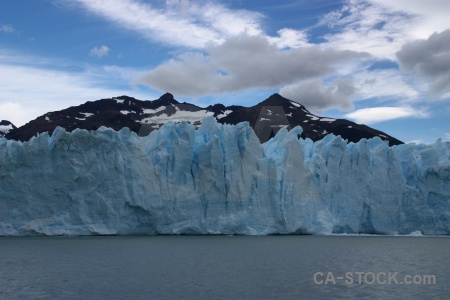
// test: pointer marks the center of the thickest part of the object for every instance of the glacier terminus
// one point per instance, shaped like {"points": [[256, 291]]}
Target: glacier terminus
{"points": [[219, 179]]}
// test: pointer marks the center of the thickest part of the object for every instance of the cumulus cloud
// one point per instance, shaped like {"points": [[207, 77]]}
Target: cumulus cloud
{"points": [[430, 59], [243, 62], [317, 96], [7, 28], [99, 51], [380, 114]]}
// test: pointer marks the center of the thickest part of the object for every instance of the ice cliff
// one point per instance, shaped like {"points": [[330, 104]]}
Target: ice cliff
{"points": [[219, 179]]}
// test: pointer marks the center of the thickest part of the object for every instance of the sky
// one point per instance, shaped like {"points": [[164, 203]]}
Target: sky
{"points": [[383, 63]]}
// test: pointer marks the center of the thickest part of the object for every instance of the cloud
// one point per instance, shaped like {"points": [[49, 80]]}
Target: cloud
{"points": [[15, 112], [7, 28], [32, 86], [290, 38], [186, 23], [384, 84], [317, 97], [430, 16], [99, 51], [361, 26], [430, 59], [380, 114], [447, 137], [241, 63], [388, 30]]}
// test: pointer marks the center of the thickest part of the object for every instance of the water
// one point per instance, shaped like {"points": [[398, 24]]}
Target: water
{"points": [[219, 267]]}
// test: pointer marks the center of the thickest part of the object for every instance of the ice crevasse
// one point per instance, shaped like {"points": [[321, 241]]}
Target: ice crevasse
{"points": [[219, 179]]}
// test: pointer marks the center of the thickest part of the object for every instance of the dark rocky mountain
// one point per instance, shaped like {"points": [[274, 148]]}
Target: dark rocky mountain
{"points": [[142, 117], [5, 127]]}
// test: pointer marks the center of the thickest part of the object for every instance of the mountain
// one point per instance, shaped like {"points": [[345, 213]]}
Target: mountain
{"points": [[142, 117], [219, 179], [5, 127]]}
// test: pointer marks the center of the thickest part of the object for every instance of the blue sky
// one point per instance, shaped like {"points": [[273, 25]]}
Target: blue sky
{"points": [[380, 62]]}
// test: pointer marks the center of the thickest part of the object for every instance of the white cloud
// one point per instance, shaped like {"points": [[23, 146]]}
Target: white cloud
{"points": [[384, 84], [99, 51], [382, 28], [431, 15], [290, 38], [16, 113], [360, 26], [241, 63], [7, 28], [380, 114], [186, 23], [32, 89], [447, 137]]}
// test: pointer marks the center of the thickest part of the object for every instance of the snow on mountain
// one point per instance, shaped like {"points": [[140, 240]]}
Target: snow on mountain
{"points": [[5, 127], [219, 179], [142, 117]]}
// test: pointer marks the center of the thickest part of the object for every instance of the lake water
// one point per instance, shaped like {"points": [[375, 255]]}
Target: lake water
{"points": [[223, 267]]}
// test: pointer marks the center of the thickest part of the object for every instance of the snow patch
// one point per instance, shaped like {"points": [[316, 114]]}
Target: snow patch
{"points": [[153, 111], [327, 119], [86, 115], [295, 104], [5, 128], [125, 112], [178, 116], [314, 118], [224, 114]]}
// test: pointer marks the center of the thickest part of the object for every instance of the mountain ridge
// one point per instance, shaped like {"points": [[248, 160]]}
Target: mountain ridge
{"points": [[144, 116]]}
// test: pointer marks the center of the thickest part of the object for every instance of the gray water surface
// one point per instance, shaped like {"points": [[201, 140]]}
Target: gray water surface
{"points": [[219, 267]]}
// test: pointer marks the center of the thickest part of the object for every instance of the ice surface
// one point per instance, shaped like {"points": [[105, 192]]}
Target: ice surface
{"points": [[219, 179]]}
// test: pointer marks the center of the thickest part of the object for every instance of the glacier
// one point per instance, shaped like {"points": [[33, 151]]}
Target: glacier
{"points": [[219, 179]]}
